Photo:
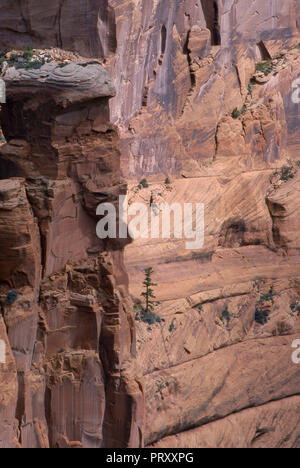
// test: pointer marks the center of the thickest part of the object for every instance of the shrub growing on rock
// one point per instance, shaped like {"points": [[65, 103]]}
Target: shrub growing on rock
{"points": [[261, 316], [295, 307], [287, 173], [265, 67], [269, 296], [144, 183], [28, 54], [35, 65], [172, 326], [226, 315], [236, 113], [11, 297]]}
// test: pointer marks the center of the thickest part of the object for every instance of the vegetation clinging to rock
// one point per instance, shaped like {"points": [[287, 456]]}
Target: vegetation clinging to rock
{"points": [[11, 297], [265, 67], [146, 314]]}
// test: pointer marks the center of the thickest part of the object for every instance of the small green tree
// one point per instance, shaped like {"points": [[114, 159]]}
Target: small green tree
{"points": [[148, 294], [236, 113], [144, 183]]}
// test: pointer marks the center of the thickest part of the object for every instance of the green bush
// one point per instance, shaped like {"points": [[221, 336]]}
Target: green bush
{"points": [[236, 113], [172, 326], [63, 64], [35, 65], [11, 297], [269, 296], [144, 183], [160, 386], [261, 316], [265, 67], [226, 315], [167, 181], [287, 173], [295, 307], [22, 60], [28, 54], [147, 317]]}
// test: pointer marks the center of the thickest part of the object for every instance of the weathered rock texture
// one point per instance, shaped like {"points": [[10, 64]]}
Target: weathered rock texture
{"points": [[215, 373], [70, 328]]}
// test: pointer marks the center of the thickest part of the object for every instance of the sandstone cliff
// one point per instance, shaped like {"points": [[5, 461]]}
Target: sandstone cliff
{"points": [[197, 91], [70, 327]]}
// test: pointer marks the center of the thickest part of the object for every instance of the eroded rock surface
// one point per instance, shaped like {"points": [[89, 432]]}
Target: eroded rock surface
{"points": [[63, 291], [198, 91]]}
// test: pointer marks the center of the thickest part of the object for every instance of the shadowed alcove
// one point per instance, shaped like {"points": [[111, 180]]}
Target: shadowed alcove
{"points": [[211, 13], [8, 169]]}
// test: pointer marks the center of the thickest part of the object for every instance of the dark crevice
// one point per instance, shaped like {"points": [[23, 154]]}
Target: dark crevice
{"points": [[263, 51], [163, 40], [20, 407], [187, 52], [43, 241], [163, 44], [48, 414], [216, 144], [9, 169], [261, 432], [211, 13], [145, 96], [59, 39]]}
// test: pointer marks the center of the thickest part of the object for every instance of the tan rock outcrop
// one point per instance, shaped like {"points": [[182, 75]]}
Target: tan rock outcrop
{"points": [[253, 428], [64, 291], [200, 92]]}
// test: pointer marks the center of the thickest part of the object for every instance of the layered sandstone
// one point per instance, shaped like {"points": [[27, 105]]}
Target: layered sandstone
{"points": [[67, 378], [80, 372]]}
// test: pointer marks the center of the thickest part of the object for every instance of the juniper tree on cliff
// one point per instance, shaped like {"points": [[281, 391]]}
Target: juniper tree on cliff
{"points": [[148, 294]]}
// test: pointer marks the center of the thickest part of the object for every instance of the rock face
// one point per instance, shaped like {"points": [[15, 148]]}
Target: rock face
{"points": [[63, 291], [202, 92], [44, 25]]}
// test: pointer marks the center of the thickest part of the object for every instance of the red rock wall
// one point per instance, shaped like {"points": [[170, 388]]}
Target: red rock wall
{"points": [[79, 371], [70, 328]]}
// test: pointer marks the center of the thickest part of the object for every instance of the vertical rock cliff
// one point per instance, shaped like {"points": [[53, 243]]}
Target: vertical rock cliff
{"points": [[69, 325], [196, 91]]}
